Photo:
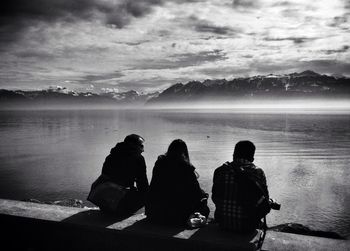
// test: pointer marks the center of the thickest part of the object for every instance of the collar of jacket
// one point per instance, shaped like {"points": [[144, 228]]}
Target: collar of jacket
{"points": [[241, 164]]}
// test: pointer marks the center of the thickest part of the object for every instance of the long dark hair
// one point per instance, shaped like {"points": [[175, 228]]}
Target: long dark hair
{"points": [[178, 150]]}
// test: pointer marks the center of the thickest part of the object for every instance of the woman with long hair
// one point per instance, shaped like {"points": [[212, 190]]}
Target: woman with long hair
{"points": [[174, 192]]}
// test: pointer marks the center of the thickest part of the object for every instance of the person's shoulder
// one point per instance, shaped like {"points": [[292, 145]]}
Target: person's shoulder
{"points": [[223, 167], [189, 167], [161, 158], [258, 169], [136, 157]]}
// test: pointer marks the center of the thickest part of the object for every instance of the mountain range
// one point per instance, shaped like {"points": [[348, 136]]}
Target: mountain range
{"points": [[307, 84], [61, 97]]}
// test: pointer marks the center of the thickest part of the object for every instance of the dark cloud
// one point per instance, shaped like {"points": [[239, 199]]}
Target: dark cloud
{"points": [[133, 43], [295, 40], [283, 4], [224, 72], [69, 51], [212, 29], [92, 78], [339, 20], [198, 58], [346, 4], [9, 33], [121, 14], [17, 11], [17, 15], [140, 8], [246, 4], [40, 55], [206, 26], [51, 10], [291, 12], [184, 60], [345, 48]]}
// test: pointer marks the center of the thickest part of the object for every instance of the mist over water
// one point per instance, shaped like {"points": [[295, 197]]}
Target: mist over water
{"points": [[53, 155]]}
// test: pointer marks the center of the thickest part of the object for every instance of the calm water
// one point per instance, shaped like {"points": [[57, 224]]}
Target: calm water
{"points": [[53, 155]]}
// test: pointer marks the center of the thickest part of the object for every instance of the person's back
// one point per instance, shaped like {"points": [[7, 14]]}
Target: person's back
{"points": [[125, 166], [174, 192], [234, 188]]}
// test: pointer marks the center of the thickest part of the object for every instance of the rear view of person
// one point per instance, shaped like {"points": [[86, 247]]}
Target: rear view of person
{"points": [[123, 168], [174, 192], [238, 188]]}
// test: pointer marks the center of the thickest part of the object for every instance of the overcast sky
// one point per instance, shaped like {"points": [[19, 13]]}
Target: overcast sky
{"points": [[148, 45]]}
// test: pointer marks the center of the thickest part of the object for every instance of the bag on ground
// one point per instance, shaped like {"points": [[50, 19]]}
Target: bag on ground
{"points": [[106, 194]]}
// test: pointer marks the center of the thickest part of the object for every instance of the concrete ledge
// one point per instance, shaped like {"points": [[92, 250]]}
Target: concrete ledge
{"points": [[49, 227]]}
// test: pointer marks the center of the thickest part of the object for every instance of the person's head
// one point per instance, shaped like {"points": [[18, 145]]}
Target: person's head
{"points": [[244, 150], [178, 149], [135, 141]]}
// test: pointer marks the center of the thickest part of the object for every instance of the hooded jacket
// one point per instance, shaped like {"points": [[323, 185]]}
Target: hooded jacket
{"points": [[126, 166]]}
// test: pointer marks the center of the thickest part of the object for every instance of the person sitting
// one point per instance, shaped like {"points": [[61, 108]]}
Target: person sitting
{"points": [[125, 166], [174, 192], [235, 187]]}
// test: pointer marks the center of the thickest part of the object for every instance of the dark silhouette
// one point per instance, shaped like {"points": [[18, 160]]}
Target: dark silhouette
{"points": [[126, 166], [174, 192], [238, 188]]}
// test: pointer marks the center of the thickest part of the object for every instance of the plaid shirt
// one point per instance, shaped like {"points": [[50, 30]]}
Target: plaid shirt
{"points": [[230, 213]]}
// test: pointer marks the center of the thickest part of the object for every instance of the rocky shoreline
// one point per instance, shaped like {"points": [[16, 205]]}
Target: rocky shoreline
{"points": [[66, 202], [294, 228]]}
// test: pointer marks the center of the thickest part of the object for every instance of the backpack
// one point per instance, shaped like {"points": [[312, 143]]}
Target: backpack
{"points": [[252, 195]]}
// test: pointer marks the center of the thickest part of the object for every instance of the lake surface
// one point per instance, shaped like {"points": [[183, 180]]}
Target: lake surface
{"points": [[54, 155]]}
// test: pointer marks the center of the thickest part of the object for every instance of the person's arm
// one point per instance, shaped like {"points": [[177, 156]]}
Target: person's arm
{"points": [[106, 168], [262, 180], [218, 189], [141, 178], [199, 192], [197, 196], [214, 190]]}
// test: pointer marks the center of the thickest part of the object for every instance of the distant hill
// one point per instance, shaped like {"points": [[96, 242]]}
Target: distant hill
{"points": [[307, 84], [60, 97]]}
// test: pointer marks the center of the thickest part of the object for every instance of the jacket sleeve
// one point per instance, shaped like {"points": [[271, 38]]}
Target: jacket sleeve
{"points": [[262, 180], [141, 178], [214, 190], [106, 168], [198, 193]]}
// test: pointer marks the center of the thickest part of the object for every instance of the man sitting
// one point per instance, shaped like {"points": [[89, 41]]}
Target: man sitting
{"points": [[238, 188], [125, 166]]}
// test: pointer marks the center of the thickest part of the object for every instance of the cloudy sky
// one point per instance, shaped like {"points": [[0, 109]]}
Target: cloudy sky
{"points": [[148, 45]]}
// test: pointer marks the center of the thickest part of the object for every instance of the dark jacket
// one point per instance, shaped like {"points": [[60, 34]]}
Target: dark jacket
{"points": [[126, 166], [232, 195], [174, 192]]}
